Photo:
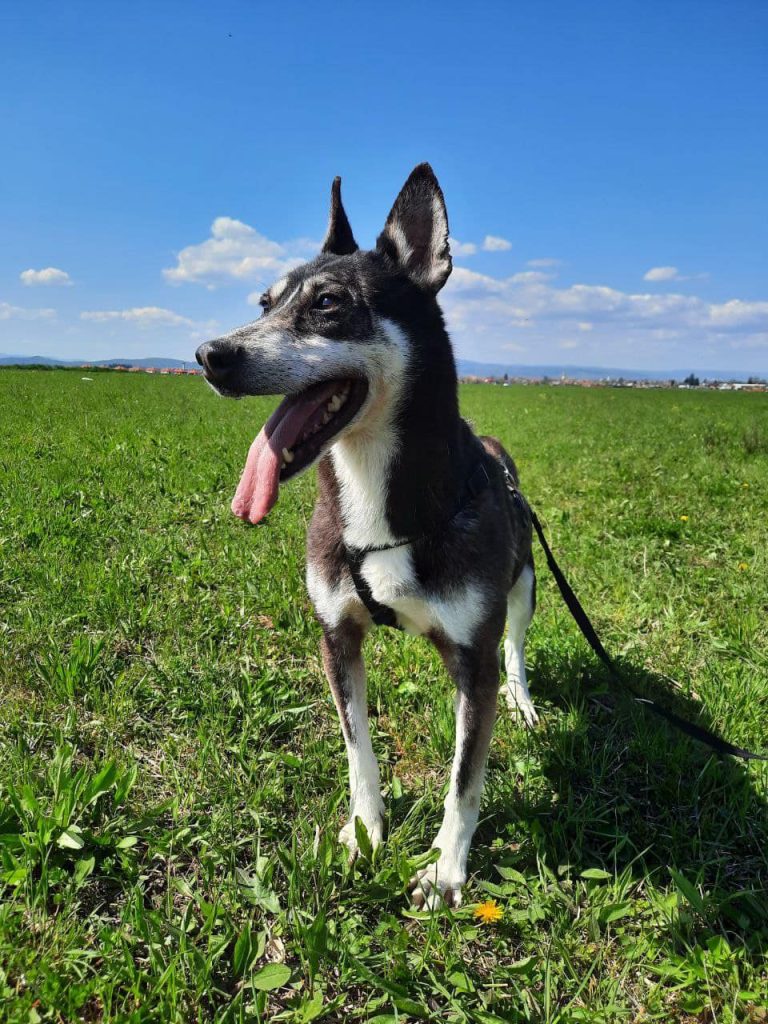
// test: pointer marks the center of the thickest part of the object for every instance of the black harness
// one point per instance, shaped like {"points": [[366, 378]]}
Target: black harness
{"points": [[382, 614], [478, 481]]}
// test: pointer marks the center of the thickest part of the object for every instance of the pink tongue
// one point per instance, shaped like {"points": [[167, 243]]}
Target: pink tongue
{"points": [[257, 491]]}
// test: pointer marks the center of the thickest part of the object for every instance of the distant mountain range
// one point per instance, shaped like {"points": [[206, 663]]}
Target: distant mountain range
{"points": [[154, 362], [466, 368]]}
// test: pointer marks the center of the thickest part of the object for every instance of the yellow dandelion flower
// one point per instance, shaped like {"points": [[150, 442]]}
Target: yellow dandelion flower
{"points": [[745, 484], [488, 912], [683, 519], [743, 566]]}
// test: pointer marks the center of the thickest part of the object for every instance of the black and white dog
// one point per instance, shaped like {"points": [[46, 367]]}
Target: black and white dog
{"points": [[414, 519]]}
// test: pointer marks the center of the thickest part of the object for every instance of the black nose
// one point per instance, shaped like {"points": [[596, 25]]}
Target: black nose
{"points": [[218, 358]]}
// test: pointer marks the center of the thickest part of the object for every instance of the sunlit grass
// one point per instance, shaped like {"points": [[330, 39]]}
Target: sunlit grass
{"points": [[172, 776]]}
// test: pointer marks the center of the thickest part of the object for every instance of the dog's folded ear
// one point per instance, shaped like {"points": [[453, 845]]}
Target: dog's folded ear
{"points": [[416, 233], [339, 240]]}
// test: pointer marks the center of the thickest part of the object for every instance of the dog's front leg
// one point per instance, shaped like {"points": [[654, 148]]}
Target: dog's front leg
{"points": [[344, 667], [475, 670]]}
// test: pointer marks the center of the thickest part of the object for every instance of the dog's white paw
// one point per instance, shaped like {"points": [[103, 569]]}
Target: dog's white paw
{"points": [[441, 882], [521, 709], [374, 826]]}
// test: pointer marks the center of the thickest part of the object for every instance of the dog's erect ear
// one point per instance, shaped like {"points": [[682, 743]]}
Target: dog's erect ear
{"points": [[416, 233], [339, 240]]}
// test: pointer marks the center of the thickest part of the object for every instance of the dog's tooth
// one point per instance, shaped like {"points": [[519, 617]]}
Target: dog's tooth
{"points": [[287, 455], [326, 418], [335, 403]]}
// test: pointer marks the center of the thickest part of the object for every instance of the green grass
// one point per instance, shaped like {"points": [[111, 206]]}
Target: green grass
{"points": [[172, 776]]}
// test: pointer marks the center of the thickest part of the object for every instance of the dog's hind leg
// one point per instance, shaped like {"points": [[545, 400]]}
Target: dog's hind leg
{"points": [[520, 607], [343, 661], [475, 671]]}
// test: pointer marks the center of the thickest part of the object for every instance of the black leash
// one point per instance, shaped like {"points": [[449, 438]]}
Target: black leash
{"points": [[582, 620]]}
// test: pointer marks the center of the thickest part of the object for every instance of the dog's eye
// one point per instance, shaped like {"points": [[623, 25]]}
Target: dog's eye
{"points": [[265, 304], [326, 301]]}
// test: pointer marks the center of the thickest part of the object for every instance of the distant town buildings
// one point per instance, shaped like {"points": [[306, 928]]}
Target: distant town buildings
{"points": [[175, 371], [753, 384]]}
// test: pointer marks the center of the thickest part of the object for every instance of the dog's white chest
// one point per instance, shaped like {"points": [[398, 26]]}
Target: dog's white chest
{"points": [[393, 582]]}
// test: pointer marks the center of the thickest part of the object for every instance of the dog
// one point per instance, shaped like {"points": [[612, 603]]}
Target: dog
{"points": [[415, 523]]}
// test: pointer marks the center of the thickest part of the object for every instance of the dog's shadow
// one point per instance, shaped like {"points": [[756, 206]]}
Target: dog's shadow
{"points": [[612, 786]]}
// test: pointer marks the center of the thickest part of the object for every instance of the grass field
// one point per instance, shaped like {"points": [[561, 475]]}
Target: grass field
{"points": [[172, 775]]}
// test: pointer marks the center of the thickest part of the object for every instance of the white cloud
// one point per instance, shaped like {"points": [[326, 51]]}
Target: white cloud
{"points": [[671, 274], [543, 263], [492, 243], [464, 280], [530, 277], [462, 248], [568, 343], [661, 274], [9, 312], [737, 313], [46, 276], [479, 306], [143, 316], [237, 252]]}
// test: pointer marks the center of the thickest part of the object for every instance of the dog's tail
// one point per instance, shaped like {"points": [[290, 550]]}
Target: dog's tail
{"points": [[496, 449]]}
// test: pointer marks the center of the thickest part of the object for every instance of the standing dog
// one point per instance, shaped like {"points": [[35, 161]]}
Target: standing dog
{"points": [[414, 524]]}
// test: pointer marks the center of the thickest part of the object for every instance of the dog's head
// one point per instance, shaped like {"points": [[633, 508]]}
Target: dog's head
{"points": [[335, 337]]}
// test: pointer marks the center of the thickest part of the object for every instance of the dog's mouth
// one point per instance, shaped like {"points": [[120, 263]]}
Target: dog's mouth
{"points": [[293, 437]]}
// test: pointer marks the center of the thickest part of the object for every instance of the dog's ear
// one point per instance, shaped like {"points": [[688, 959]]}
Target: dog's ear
{"points": [[339, 240], [416, 233]]}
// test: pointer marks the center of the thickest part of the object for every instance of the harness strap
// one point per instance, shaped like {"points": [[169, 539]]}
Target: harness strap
{"points": [[381, 614]]}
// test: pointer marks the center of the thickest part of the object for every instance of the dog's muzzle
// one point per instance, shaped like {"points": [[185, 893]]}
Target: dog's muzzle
{"points": [[222, 362]]}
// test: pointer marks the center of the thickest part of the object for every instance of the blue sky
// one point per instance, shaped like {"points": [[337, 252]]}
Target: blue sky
{"points": [[163, 161]]}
